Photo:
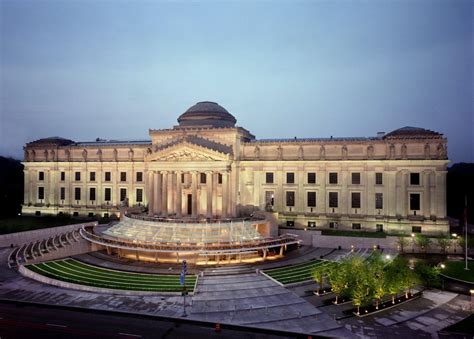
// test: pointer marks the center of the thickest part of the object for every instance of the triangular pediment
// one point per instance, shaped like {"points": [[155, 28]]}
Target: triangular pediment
{"points": [[186, 150]]}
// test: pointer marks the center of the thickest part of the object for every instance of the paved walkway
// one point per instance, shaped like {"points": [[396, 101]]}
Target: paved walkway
{"points": [[253, 300]]}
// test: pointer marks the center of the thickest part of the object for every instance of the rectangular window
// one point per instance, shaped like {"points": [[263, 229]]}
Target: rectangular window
{"points": [[311, 224], [355, 199], [63, 176], [107, 194], [202, 178], [379, 201], [356, 226], [414, 178], [40, 176], [290, 199], [355, 178], [123, 176], [416, 229], [333, 199], [182, 178], [379, 228], [290, 178], [77, 193], [219, 178], [139, 195], [92, 193], [123, 194], [40, 193], [269, 178], [378, 179], [332, 224], [290, 223], [311, 178], [311, 199], [139, 176], [77, 176], [62, 193], [333, 178], [92, 176], [107, 176], [414, 202]]}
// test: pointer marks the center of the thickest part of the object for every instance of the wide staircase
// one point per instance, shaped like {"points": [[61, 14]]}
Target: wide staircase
{"points": [[35, 251]]}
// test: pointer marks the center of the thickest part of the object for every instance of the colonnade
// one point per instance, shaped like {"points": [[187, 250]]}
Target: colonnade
{"points": [[167, 189]]}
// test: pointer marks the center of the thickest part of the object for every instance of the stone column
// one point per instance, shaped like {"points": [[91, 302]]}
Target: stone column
{"points": [[215, 179], [398, 193], [426, 194], [46, 187], [321, 204], [164, 194], [178, 208], [194, 199], [156, 193], [209, 187], [149, 192], [432, 194], [345, 198], [172, 192], [403, 194], [225, 193]]}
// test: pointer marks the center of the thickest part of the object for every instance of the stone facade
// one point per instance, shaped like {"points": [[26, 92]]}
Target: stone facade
{"points": [[208, 167]]}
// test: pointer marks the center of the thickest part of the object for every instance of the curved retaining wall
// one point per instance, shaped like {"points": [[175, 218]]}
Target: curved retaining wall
{"points": [[63, 284], [19, 238]]}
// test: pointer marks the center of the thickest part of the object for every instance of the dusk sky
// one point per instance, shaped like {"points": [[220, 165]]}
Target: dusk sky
{"points": [[114, 69]]}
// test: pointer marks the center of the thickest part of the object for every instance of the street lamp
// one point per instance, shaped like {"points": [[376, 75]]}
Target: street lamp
{"points": [[413, 242]]}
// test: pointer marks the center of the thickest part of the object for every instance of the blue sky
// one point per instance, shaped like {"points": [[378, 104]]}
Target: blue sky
{"points": [[114, 69]]}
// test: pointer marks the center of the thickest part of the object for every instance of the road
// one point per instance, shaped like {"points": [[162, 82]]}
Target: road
{"points": [[35, 321]]}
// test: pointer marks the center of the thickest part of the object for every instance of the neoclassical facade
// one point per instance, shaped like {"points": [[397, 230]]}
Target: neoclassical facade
{"points": [[207, 167]]}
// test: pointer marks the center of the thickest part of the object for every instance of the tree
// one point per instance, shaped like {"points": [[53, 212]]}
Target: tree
{"points": [[394, 276], [357, 279], [462, 243], [318, 276], [443, 243], [423, 242], [377, 278], [402, 242], [337, 278]]}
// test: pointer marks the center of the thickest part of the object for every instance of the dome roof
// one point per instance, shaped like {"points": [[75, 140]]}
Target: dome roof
{"points": [[412, 132], [207, 113]]}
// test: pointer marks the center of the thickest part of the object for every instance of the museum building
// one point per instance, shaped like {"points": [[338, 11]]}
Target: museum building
{"points": [[207, 168]]}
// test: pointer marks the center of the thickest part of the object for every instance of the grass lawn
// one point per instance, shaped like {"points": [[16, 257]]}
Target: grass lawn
{"points": [[455, 269], [354, 234], [29, 223], [74, 271], [295, 273]]}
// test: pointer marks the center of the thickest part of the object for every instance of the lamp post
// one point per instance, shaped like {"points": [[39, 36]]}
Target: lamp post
{"points": [[413, 242]]}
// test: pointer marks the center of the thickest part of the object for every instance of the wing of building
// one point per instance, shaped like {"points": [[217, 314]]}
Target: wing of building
{"points": [[207, 167]]}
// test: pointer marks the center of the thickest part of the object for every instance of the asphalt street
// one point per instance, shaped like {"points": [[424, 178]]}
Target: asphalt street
{"points": [[35, 321]]}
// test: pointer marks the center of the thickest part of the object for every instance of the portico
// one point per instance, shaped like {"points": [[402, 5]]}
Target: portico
{"points": [[184, 192]]}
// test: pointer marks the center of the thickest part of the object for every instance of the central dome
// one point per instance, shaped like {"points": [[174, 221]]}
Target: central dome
{"points": [[207, 113]]}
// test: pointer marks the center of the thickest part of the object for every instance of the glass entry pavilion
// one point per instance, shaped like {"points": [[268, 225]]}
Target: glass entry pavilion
{"points": [[202, 243]]}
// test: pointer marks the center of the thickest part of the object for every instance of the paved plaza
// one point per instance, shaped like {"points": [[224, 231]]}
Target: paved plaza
{"points": [[241, 296]]}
